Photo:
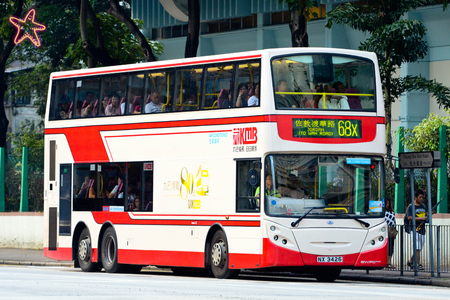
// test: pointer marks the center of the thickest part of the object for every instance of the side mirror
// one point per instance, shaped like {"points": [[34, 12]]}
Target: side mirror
{"points": [[396, 175], [253, 179]]}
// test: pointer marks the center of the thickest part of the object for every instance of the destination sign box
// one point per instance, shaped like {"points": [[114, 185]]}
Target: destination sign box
{"points": [[326, 128]]}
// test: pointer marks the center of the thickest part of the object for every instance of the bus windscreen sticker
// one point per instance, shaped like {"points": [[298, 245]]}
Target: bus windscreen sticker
{"points": [[329, 128]]}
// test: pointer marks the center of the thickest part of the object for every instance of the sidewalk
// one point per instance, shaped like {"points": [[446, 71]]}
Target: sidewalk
{"points": [[27, 257]]}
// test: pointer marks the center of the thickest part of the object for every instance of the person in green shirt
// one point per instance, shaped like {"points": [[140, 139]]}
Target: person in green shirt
{"points": [[269, 190]]}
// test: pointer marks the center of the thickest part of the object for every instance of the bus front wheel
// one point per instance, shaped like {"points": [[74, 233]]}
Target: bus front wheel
{"points": [[219, 257], [84, 252], [109, 251]]}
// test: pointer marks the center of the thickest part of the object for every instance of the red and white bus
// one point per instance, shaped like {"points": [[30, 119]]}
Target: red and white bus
{"points": [[176, 164]]}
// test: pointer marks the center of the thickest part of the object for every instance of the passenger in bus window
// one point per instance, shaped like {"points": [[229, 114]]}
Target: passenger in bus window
{"points": [[333, 101], [123, 103], [87, 188], [225, 99], [137, 204], [117, 191], [78, 108], [292, 188], [285, 100], [87, 110], [64, 107], [254, 99], [191, 102], [103, 106], [154, 104], [137, 101], [137, 110], [242, 97], [113, 108]]}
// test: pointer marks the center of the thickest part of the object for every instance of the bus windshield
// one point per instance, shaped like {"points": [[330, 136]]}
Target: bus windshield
{"points": [[337, 185], [324, 81]]}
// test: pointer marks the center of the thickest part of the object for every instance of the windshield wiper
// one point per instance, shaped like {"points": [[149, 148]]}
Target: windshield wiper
{"points": [[356, 219], [293, 224]]}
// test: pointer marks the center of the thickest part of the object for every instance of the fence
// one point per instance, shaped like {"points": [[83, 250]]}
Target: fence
{"points": [[403, 250]]}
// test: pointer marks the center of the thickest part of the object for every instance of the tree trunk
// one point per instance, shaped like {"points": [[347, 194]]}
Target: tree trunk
{"points": [[98, 52], [4, 55], [117, 11], [299, 36], [3, 120], [192, 39]]}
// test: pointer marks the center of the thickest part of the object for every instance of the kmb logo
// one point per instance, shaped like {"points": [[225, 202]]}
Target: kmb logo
{"points": [[245, 136]]}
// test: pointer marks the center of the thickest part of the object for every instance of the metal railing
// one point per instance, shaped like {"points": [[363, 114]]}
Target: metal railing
{"points": [[403, 250]]}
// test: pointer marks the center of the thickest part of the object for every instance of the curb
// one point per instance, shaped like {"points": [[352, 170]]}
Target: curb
{"points": [[401, 280], [34, 263]]}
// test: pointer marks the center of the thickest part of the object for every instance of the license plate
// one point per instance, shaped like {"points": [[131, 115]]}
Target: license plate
{"points": [[329, 259]]}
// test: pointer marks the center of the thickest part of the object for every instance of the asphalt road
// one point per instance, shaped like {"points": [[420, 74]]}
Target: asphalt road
{"points": [[65, 282]]}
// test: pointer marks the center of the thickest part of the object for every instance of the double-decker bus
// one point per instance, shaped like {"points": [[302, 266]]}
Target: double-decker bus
{"points": [[252, 160]]}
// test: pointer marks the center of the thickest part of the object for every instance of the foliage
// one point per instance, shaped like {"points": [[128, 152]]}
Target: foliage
{"points": [[119, 41], [425, 136], [395, 40], [303, 6], [33, 138]]}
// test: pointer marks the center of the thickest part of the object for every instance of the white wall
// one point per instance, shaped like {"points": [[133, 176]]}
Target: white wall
{"points": [[22, 230]]}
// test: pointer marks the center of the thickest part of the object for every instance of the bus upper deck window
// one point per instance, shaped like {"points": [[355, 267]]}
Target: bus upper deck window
{"points": [[324, 82]]}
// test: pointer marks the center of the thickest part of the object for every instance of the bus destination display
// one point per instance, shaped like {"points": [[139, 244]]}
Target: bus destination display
{"points": [[326, 128]]}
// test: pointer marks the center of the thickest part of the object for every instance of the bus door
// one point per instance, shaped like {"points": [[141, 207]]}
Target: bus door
{"points": [[52, 198]]}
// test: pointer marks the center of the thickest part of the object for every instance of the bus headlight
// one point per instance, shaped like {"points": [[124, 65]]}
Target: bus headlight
{"points": [[273, 228], [372, 242], [381, 238], [275, 237]]}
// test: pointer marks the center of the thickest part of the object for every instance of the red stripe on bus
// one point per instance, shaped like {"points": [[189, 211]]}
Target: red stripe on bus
{"points": [[147, 67], [185, 215], [59, 254], [381, 120], [162, 258], [123, 218], [87, 146]]}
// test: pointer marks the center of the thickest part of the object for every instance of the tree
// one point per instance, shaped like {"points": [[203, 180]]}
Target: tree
{"points": [[192, 39], [300, 13], [425, 136], [395, 41], [7, 33], [98, 51]]}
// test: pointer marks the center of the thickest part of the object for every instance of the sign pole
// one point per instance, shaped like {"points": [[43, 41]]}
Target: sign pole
{"points": [[430, 222], [2, 180], [413, 228]]}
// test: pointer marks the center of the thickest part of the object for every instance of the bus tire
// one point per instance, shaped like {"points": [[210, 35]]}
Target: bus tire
{"points": [[219, 256], [109, 251], [84, 252], [327, 274]]}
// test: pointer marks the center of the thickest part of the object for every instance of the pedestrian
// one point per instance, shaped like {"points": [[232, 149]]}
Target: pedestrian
{"points": [[421, 217], [392, 231]]}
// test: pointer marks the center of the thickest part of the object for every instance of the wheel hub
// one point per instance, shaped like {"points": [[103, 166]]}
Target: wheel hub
{"points": [[83, 250], [217, 254]]}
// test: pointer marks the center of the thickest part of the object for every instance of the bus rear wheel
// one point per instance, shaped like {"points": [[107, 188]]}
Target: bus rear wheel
{"points": [[109, 251], [327, 274], [219, 257], [84, 252]]}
